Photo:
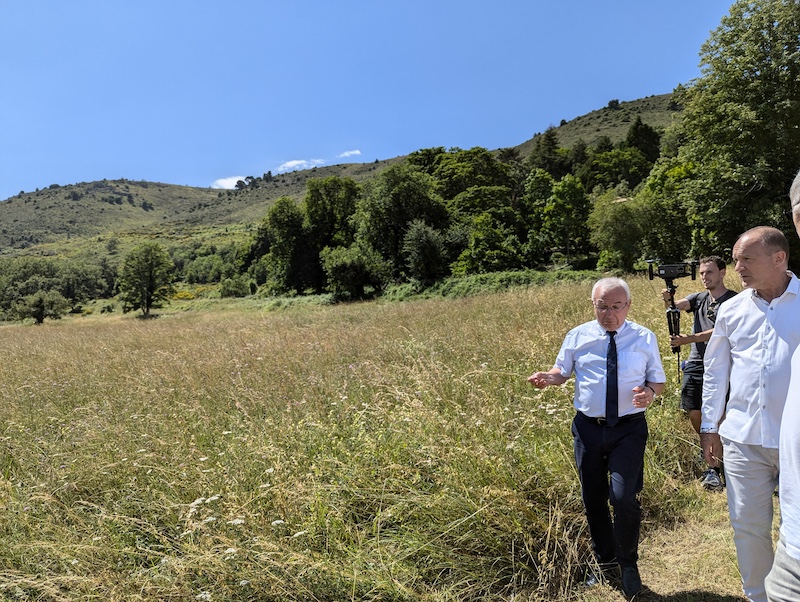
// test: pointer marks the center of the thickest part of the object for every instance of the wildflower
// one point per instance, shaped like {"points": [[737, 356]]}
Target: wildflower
{"points": [[278, 522]]}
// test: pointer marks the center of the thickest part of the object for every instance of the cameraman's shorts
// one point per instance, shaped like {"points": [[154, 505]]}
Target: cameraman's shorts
{"points": [[692, 387]]}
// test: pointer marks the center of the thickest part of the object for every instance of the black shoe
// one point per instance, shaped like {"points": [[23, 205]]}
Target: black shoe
{"points": [[631, 582], [598, 575]]}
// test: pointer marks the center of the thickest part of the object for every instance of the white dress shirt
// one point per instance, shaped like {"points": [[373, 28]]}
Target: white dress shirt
{"points": [[751, 350], [583, 353], [790, 464]]}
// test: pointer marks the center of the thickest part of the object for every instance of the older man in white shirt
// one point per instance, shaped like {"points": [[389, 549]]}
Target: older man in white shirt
{"points": [[750, 351]]}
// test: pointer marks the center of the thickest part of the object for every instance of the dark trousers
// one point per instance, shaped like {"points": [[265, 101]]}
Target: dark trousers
{"points": [[616, 452]]}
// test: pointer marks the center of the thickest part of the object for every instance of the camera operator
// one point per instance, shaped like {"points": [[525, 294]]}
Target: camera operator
{"points": [[704, 307]]}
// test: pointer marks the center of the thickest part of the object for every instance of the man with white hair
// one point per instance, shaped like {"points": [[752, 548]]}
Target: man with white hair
{"points": [[618, 373]]}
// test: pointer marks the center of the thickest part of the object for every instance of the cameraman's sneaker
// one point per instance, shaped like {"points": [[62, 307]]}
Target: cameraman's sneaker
{"points": [[711, 481]]}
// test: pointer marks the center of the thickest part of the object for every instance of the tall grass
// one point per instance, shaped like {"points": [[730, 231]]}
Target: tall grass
{"points": [[360, 452]]}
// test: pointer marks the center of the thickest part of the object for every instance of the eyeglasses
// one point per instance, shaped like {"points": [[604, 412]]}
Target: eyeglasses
{"points": [[711, 312], [616, 308]]}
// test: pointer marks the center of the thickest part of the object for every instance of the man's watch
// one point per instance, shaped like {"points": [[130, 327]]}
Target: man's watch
{"points": [[708, 430]]}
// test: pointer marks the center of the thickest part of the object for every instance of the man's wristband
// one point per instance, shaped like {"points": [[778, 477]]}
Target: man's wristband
{"points": [[652, 389], [708, 430]]}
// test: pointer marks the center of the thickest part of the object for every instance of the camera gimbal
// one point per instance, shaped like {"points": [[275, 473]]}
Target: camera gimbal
{"points": [[670, 272]]}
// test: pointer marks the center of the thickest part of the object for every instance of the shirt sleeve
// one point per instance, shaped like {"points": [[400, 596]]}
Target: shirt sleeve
{"points": [[692, 299], [716, 377], [655, 369], [565, 362]]}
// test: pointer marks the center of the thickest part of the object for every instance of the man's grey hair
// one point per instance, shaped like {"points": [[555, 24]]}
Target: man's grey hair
{"points": [[794, 195], [607, 284]]}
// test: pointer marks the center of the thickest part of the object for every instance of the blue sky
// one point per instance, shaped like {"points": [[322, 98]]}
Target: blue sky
{"points": [[203, 92]]}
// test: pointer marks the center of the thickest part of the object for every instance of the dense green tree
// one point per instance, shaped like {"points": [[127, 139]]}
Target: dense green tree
{"points": [[235, 286], [146, 277], [352, 270], [493, 245], [538, 189], [425, 253], [460, 170], [565, 215], [427, 159], [40, 305], [671, 226], [615, 225], [609, 168], [81, 281], [205, 269], [284, 261], [517, 170], [741, 123], [545, 154], [77, 280], [645, 138], [479, 199], [329, 206], [395, 198]]}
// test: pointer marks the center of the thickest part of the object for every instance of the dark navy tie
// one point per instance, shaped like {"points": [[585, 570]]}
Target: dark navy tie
{"points": [[612, 388]]}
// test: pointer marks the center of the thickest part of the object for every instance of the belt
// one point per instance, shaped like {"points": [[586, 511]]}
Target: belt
{"points": [[601, 421]]}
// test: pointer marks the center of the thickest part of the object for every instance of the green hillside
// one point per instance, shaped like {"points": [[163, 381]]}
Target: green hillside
{"points": [[613, 121], [64, 219]]}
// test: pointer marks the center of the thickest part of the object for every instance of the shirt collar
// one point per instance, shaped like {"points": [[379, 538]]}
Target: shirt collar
{"points": [[793, 287], [604, 332]]}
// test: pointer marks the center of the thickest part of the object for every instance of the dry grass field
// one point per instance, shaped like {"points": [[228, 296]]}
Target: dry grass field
{"points": [[376, 451]]}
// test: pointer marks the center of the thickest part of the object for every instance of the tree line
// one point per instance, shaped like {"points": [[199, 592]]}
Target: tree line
{"points": [[672, 194]]}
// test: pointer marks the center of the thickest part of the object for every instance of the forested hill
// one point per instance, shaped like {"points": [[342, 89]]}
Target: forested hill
{"points": [[131, 208], [60, 213]]}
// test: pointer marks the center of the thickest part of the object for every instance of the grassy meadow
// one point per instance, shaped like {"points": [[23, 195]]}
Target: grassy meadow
{"points": [[376, 451]]}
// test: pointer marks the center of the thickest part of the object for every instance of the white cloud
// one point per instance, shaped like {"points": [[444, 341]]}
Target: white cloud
{"points": [[227, 183], [293, 165], [299, 164]]}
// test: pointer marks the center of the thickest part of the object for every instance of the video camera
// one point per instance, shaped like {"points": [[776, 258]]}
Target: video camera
{"points": [[669, 272]]}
